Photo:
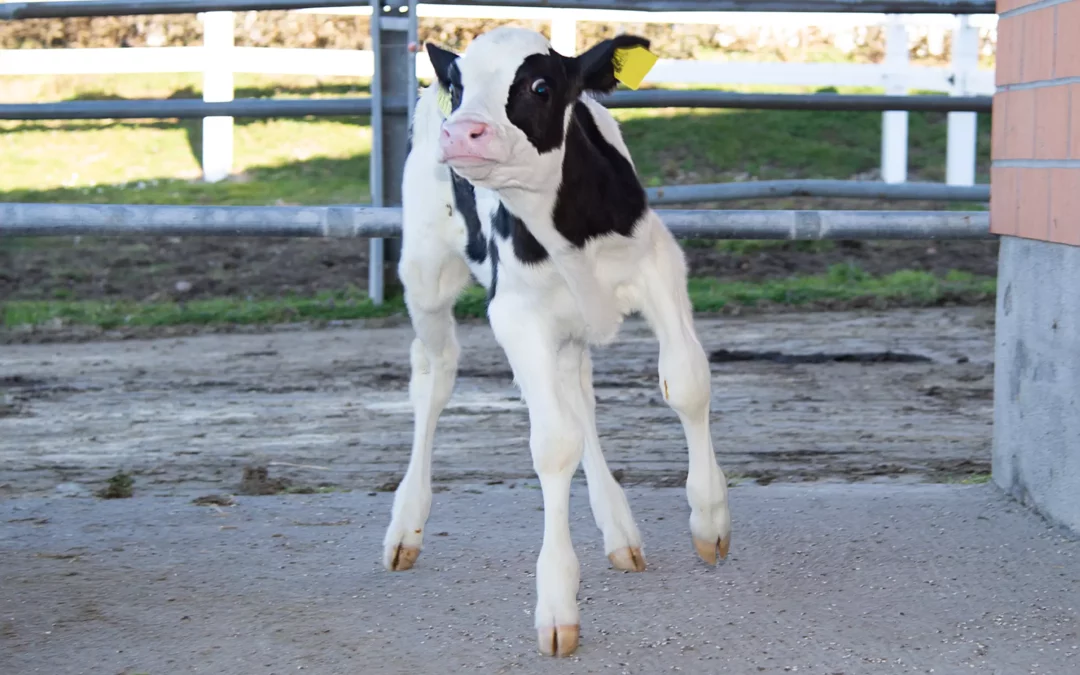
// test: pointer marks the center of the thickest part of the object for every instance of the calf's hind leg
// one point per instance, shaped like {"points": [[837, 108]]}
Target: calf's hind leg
{"points": [[433, 278], [611, 510]]}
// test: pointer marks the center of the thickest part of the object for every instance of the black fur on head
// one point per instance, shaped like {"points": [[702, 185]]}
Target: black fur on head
{"points": [[596, 66], [444, 63], [544, 86]]}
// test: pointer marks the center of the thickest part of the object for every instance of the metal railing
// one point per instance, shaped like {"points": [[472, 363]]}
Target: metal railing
{"points": [[393, 27], [90, 8], [368, 221], [261, 107]]}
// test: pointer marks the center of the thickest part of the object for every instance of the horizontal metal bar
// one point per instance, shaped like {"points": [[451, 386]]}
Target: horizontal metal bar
{"points": [[18, 219], [48, 10], [813, 225], [225, 221], [829, 6], [185, 108], [657, 98], [85, 8], [653, 98], [845, 189]]}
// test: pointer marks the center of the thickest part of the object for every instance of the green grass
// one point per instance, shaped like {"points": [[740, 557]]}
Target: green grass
{"points": [[969, 479], [326, 161], [843, 282]]}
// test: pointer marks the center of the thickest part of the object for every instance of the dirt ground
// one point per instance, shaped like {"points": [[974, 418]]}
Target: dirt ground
{"points": [[902, 394], [149, 269]]}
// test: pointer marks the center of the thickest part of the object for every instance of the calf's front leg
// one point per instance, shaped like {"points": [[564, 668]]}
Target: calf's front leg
{"points": [[556, 441]]}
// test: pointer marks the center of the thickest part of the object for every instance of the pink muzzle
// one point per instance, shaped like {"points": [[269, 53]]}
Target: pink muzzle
{"points": [[466, 140]]}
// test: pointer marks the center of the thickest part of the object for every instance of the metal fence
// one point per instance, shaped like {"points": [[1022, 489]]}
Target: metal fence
{"points": [[394, 87], [365, 221]]}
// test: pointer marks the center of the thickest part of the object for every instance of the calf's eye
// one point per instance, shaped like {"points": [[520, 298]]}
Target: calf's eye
{"points": [[540, 88]]}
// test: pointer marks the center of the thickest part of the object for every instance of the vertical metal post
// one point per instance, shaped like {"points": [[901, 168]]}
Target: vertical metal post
{"points": [[393, 28]]}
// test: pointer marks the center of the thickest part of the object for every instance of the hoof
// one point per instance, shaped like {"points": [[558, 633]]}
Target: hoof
{"points": [[707, 550], [628, 559], [403, 558], [558, 640]]}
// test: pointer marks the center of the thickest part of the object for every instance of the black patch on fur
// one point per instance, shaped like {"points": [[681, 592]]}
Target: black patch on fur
{"points": [[540, 117], [526, 248], [441, 60], [493, 253], [457, 90], [465, 203], [445, 65], [600, 194]]}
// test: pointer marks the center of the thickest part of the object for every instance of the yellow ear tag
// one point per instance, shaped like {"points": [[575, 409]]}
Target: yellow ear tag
{"points": [[444, 101], [633, 64]]}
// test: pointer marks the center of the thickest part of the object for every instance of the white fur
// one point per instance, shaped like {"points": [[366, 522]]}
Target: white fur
{"points": [[544, 317]]}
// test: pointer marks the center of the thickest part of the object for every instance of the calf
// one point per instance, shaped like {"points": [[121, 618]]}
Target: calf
{"points": [[517, 177]]}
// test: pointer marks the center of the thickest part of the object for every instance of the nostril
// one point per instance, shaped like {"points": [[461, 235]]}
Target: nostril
{"points": [[478, 131]]}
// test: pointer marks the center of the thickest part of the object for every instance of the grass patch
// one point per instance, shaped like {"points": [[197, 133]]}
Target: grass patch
{"points": [[120, 486], [972, 479], [843, 282]]}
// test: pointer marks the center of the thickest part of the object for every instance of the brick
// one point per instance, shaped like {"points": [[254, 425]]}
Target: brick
{"points": [[1052, 122], [1033, 194], [1065, 206], [1038, 45], [1074, 121], [1067, 48], [1003, 205], [1020, 125], [997, 124], [1008, 56], [1009, 5]]}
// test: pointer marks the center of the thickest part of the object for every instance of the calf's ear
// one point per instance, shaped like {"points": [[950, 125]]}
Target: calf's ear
{"points": [[440, 62], [596, 66]]}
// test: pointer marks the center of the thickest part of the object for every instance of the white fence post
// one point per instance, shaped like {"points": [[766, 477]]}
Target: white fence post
{"points": [[894, 124], [217, 138], [963, 126], [564, 34]]}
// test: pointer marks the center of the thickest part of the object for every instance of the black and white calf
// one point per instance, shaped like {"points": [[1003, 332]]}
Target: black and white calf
{"points": [[528, 186]]}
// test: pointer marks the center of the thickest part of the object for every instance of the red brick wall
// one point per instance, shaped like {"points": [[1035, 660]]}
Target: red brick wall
{"points": [[1035, 175]]}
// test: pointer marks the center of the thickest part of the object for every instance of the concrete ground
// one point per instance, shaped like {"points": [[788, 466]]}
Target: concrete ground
{"points": [[823, 579]]}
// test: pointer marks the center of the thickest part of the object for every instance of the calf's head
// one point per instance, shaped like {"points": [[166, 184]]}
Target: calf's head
{"points": [[512, 97]]}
